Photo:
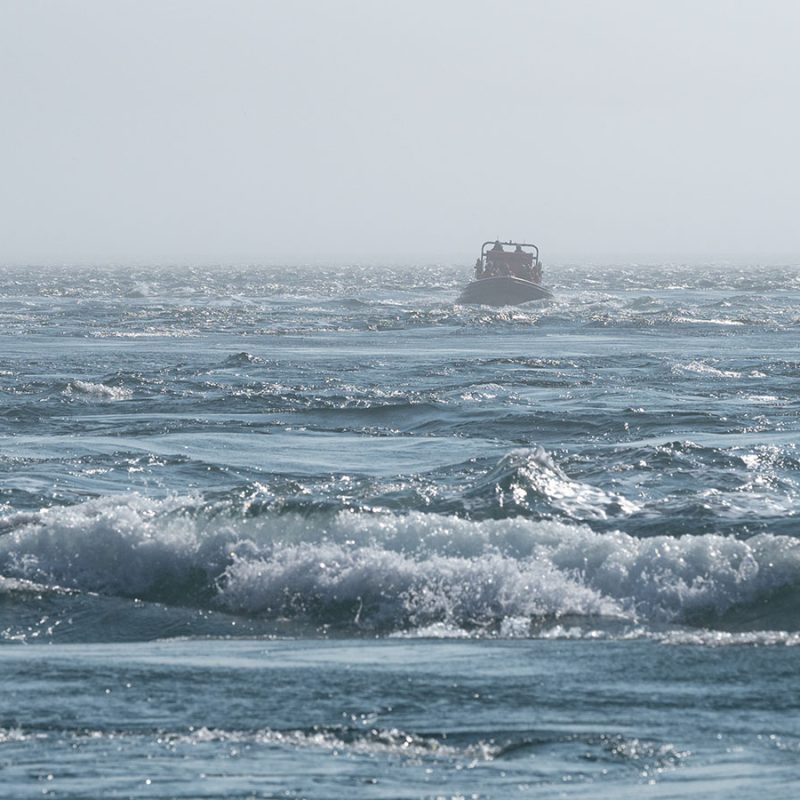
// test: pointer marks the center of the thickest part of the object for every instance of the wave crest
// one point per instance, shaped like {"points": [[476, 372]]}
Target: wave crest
{"points": [[384, 573], [97, 391], [530, 480]]}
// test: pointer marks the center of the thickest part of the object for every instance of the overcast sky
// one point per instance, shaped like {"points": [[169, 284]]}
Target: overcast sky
{"points": [[230, 131]]}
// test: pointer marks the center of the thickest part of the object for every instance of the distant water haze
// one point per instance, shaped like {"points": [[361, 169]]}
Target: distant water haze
{"points": [[203, 132]]}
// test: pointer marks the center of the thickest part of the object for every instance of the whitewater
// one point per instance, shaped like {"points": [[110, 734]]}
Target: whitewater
{"points": [[319, 531]]}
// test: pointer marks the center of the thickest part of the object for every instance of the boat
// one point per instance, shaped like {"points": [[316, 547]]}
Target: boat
{"points": [[506, 274]]}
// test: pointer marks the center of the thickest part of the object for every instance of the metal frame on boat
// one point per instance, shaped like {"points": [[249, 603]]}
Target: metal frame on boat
{"points": [[506, 277]]}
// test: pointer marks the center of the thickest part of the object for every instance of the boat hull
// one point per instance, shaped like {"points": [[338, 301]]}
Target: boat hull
{"points": [[503, 291]]}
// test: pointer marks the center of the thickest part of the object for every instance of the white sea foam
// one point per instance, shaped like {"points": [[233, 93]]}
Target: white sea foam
{"points": [[702, 368], [680, 636], [387, 588], [358, 739], [17, 586], [711, 638], [148, 333], [364, 741], [98, 391], [384, 572], [17, 735]]}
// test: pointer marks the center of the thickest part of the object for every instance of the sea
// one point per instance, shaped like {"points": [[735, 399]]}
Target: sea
{"points": [[322, 532]]}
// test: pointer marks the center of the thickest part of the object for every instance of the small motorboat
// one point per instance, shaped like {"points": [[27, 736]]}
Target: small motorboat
{"points": [[506, 274]]}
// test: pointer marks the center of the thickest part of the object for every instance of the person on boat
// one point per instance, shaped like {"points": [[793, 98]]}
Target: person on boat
{"points": [[496, 264], [518, 263]]}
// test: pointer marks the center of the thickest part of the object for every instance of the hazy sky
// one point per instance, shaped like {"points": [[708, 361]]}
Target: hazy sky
{"points": [[250, 131]]}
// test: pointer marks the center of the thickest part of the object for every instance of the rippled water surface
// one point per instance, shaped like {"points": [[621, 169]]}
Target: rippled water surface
{"points": [[322, 532]]}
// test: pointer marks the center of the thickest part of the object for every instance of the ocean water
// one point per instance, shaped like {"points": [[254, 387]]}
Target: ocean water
{"points": [[323, 532]]}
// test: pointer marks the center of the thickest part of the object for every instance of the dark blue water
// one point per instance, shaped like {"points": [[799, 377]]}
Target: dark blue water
{"points": [[324, 532]]}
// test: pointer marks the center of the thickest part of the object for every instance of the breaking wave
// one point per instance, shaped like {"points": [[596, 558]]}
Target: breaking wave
{"points": [[531, 479], [383, 573], [98, 391]]}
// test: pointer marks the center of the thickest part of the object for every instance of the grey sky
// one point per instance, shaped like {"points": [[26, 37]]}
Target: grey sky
{"points": [[230, 131]]}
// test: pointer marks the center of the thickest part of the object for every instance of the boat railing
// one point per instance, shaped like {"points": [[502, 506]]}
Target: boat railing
{"points": [[498, 261], [511, 244]]}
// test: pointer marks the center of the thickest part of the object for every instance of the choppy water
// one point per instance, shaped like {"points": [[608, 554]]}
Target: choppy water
{"points": [[324, 532]]}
